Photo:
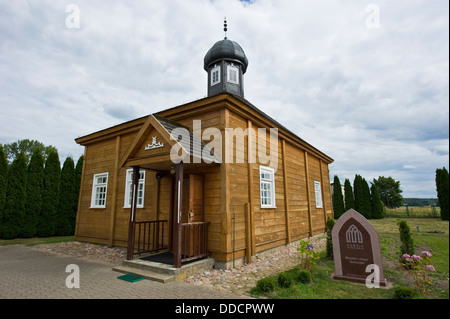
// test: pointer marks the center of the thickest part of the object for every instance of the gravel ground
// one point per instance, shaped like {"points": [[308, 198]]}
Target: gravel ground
{"points": [[238, 280]]}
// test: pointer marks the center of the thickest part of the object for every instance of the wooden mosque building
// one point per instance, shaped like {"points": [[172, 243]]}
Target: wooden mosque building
{"points": [[214, 177]]}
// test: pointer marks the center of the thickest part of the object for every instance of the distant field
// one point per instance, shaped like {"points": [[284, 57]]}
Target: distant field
{"points": [[414, 211]]}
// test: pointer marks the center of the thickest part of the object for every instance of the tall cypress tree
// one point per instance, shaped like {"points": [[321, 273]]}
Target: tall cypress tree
{"points": [[348, 192], [34, 188], [442, 188], [3, 178], [358, 194], [50, 196], [377, 204], [338, 200], [15, 198], [65, 217], [78, 172], [367, 205]]}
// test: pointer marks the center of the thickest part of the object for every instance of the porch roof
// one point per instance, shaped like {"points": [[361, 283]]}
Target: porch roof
{"points": [[175, 135]]}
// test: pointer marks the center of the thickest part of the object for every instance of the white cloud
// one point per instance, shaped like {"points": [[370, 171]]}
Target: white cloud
{"points": [[375, 99]]}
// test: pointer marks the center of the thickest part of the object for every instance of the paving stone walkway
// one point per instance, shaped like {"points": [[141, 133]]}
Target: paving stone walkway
{"points": [[31, 273], [237, 281]]}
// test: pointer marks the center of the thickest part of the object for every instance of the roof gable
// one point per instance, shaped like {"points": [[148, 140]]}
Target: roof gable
{"points": [[159, 137]]}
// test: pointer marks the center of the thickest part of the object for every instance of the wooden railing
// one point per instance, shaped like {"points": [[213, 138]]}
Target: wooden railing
{"points": [[194, 240], [149, 236]]}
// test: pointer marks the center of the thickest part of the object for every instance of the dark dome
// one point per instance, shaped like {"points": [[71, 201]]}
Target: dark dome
{"points": [[226, 49]]}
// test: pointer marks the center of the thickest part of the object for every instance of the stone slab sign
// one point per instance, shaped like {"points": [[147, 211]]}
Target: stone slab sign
{"points": [[356, 250]]}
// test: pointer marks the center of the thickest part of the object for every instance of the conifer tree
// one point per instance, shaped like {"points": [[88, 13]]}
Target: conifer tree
{"points": [[13, 215], [377, 204], [348, 192], [78, 172], [3, 178], [358, 193], [65, 217], [338, 200], [367, 205], [442, 188], [34, 188], [50, 196]]}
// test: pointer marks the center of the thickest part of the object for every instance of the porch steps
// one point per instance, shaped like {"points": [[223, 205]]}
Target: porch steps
{"points": [[164, 273], [154, 276]]}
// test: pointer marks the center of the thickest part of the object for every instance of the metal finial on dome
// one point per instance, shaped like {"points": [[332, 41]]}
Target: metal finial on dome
{"points": [[225, 27]]}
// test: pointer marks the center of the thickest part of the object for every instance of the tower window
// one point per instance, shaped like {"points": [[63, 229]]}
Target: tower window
{"points": [[215, 75], [232, 74]]}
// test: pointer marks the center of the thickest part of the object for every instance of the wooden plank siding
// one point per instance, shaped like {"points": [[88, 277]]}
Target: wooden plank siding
{"points": [[231, 190]]}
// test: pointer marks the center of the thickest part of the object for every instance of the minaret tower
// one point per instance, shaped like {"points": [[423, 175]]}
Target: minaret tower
{"points": [[226, 64]]}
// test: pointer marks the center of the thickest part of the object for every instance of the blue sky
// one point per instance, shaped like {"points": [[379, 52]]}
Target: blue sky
{"points": [[366, 82]]}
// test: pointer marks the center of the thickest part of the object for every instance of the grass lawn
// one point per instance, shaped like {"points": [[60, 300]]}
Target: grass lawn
{"points": [[36, 240], [324, 287]]}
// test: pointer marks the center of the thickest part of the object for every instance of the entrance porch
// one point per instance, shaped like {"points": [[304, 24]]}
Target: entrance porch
{"points": [[185, 232]]}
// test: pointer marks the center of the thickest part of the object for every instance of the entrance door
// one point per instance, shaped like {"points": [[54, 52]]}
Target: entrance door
{"points": [[195, 207], [192, 212]]}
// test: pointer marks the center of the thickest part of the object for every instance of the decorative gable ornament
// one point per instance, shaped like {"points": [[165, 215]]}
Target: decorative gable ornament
{"points": [[154, 144]]}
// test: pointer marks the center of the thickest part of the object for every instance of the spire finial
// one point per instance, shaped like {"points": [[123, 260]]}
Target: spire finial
{"points": [[225, 27]]}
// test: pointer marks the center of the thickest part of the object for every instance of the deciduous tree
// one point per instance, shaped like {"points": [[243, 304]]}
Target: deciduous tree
{"points": [[27, 148], [390, 192]]}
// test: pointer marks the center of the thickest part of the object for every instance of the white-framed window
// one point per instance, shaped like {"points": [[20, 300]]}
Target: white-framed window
{"points": [[215, 75], [129, 189], [267, 186], [99, 189], [232, 74], [318, 192]]}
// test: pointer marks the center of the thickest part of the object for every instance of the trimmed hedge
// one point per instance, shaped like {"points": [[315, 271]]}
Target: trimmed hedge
{"points": [[265, 285], [403, 292]]}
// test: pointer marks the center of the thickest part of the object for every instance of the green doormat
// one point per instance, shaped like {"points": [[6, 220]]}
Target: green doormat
{"points": [[131, 277]]}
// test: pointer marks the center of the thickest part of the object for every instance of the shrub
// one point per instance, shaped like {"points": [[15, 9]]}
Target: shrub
{"points": [[302, 276], [284, 280], [407, 243], [419, 267], [265, 285], [403, 292], [308, 256], [329, 227]]}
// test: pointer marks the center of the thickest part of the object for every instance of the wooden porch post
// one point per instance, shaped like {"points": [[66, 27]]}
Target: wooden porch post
{"points": [[178, 206], [131, 227]]}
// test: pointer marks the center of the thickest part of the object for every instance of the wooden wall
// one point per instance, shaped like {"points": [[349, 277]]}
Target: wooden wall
{"points": [[295, 216], [239, 226]]}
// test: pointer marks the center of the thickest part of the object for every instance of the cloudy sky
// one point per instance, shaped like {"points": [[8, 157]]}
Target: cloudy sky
{"points": [[366, 82]]}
